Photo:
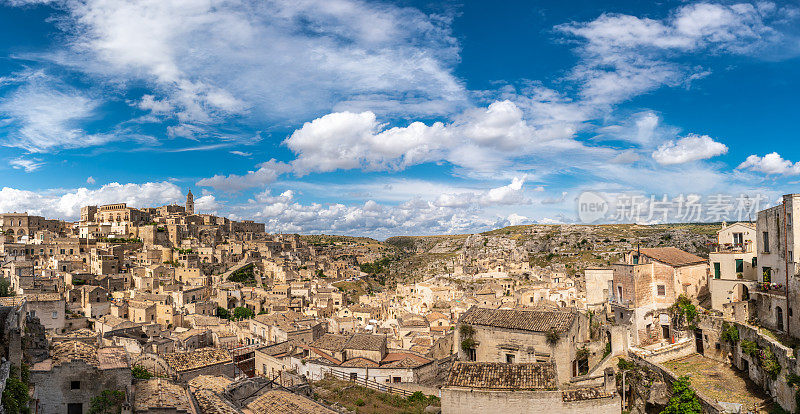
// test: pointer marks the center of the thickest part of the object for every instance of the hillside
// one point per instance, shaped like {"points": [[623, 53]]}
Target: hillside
{"points": [[571, 247]]}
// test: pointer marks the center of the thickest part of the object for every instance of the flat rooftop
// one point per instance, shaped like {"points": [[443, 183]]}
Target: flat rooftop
{"points": [[720, 381]]}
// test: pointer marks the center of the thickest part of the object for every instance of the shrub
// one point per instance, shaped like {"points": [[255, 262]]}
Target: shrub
{"points": [[684, 400], [467, 344], [244, 275], [417, 396], [685, 311], [15, 395], [749, 348], [730, 333], [140, 373], [108, 402], [241, 312], [360, 402], [466, 331], [770, 363], [625, 365], [552, 337]]}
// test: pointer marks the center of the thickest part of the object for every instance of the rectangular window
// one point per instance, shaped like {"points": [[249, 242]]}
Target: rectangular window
{"points": [[75, 385], [55, 315], [471, 354], [739, 265], [661, 290], [510, 358], [766, 273], [716, 270], [755, 262], [738, 239], [765, 242]]}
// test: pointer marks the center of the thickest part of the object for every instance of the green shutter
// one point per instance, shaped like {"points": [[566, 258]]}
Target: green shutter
{"points": [[739, 265], [716, 271]]}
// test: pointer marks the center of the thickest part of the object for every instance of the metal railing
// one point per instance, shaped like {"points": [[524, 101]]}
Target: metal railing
{"points": [[368, 383], [625, 303], [746, 247]]}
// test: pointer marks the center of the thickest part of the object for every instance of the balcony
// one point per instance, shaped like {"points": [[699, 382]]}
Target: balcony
{"points": [[746, 247], [624, 303]]}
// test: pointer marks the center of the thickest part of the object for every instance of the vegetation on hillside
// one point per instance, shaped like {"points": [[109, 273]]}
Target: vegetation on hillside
{"points": [[245, 275]]}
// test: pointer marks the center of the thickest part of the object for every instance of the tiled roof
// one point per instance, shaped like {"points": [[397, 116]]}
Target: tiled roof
{"points": [[366, 342], [535, 321], [360, 362], [43, 297], [397, 357], [280, 402], [161, 393], [67, 351], [500, 376], [214, 383], [672, 256], [330, 342], [187, 361], [211, 403]]}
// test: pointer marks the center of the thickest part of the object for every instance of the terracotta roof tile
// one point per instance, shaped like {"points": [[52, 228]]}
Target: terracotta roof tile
{"points": [[366, 342], [275, 402], [500, 376], [535, 321], [187, 361], [672, 256]]}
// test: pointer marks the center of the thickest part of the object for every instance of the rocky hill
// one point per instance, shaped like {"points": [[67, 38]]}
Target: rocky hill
{"points": [[568, 247]]}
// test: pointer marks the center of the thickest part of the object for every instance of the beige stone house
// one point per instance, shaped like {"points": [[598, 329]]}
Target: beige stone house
{"points": [[516, 336]]}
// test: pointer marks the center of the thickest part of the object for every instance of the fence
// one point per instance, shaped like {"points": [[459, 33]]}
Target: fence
{"points": [[368, 383]]}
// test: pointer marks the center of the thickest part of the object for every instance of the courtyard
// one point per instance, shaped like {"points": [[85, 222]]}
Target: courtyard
{"points": [[721, 382]]}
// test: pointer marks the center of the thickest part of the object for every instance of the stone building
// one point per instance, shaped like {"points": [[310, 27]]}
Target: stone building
{"points": [[75, 373], [777, 238], [647, 284], [598, 283], [521, 336], [205, 361], [21, 224], [530, 388], [732, 261], [160, 395]]}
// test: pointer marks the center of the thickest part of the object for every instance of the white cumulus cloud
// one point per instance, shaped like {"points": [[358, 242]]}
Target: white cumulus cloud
{"points": [[771, 163], [689, 148]]}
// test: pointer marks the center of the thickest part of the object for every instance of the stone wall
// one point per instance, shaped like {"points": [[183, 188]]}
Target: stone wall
{"points": [[709, 405], [732, 354], [457, 400], [54, 389]]}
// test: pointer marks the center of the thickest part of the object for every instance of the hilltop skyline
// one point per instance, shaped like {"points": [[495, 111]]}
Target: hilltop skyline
{"points": [[392, 118]]}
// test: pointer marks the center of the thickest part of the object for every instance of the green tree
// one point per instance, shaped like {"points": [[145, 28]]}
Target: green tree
{"points": [[15, 395], [140, 373], [684, 400], [5, 288], [223, 313], [108, 402], [242, 313]]}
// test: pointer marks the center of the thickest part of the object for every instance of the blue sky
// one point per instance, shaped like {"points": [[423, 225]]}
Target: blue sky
{"points": [[388, 118]]}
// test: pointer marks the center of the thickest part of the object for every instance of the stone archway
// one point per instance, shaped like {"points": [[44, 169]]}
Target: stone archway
{"points": [[155, 364], [740, 293]]}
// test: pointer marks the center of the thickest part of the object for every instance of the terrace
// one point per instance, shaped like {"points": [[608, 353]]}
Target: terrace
{"points": [[720, 382]]}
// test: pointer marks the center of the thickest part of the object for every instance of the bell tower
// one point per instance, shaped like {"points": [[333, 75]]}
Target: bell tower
{"points": [[190, 203]]}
